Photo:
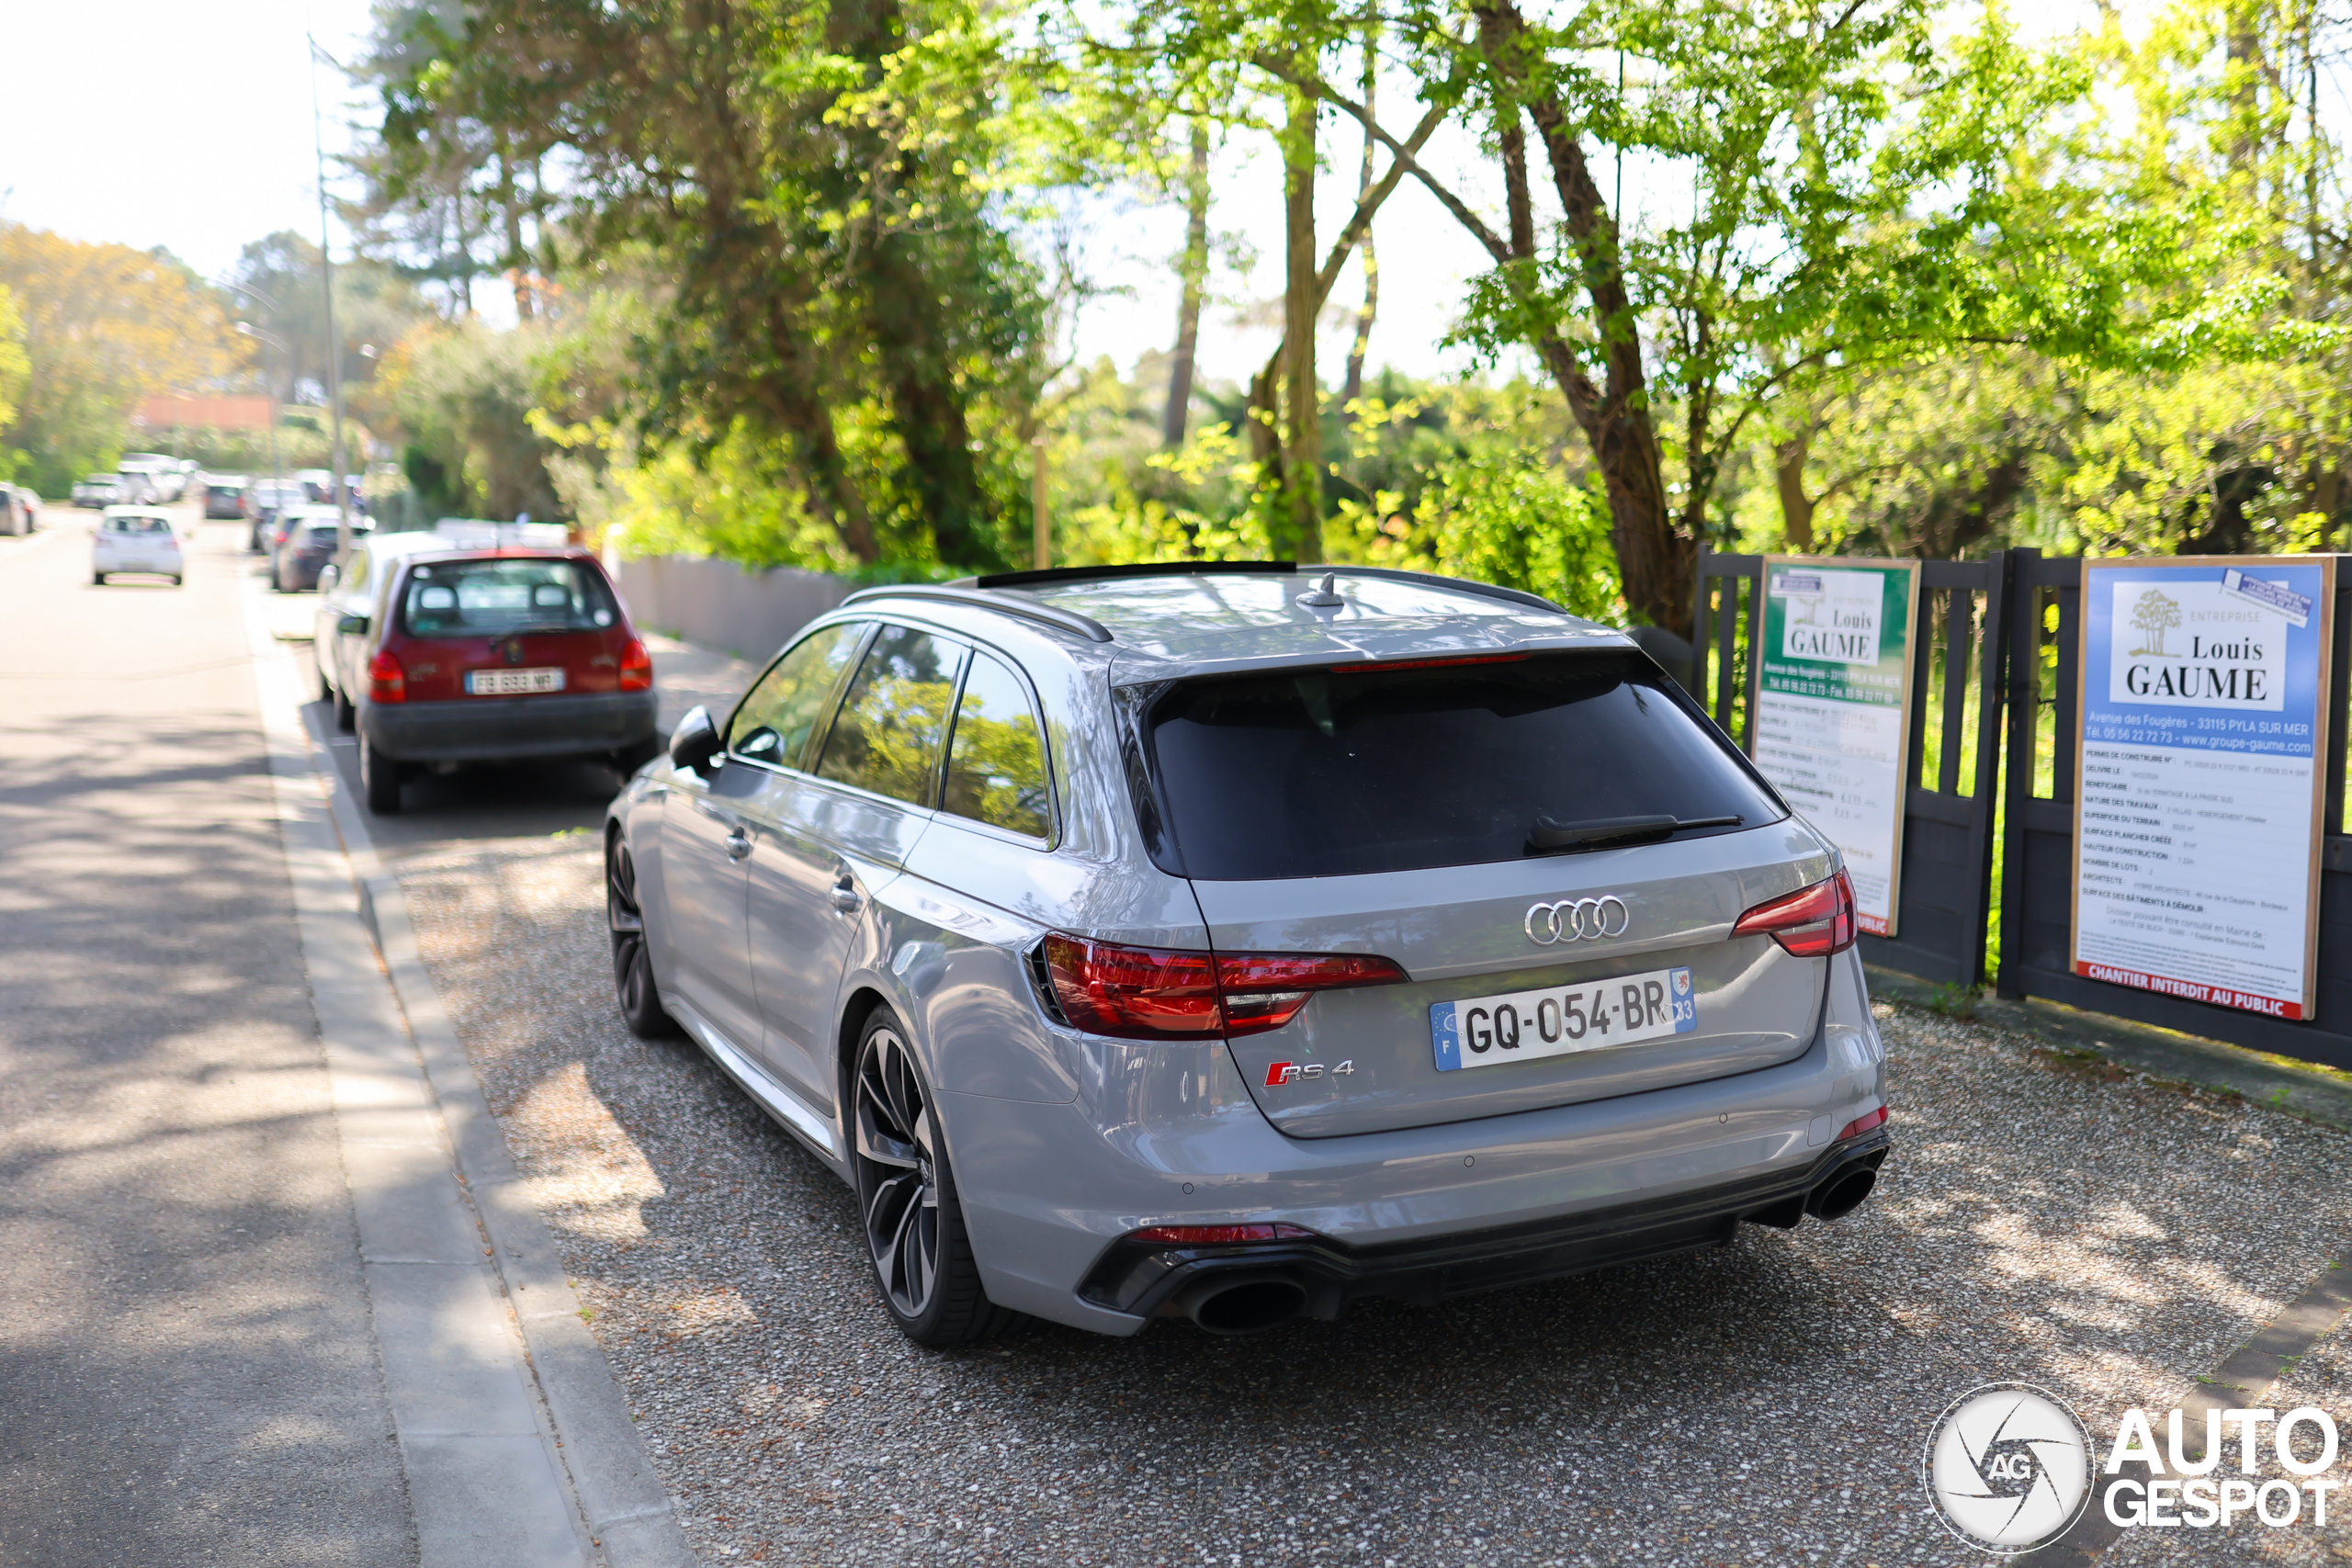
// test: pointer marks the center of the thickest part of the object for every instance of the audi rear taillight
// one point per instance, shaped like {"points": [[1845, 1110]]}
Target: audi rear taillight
{"points": [[387, 682], [1812, 922], [1150, 993], [637, 666]]}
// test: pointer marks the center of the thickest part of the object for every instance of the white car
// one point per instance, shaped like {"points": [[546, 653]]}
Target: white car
{"points": [[135, 538]]}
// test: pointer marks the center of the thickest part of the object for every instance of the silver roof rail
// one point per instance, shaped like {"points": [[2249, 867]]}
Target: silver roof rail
{"points": [[1004, 603]]}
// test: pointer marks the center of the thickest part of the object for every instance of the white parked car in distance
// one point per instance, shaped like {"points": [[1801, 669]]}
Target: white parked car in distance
{"points": [[136, 538]]}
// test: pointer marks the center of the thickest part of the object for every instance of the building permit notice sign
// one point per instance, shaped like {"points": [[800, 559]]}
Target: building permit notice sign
{"points": [[2197, 781], [1832, 696]]}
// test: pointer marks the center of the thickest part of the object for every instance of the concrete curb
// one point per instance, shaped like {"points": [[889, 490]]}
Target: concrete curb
{"points": [[628, 1510], [466, 1506], [2280, 1083]]}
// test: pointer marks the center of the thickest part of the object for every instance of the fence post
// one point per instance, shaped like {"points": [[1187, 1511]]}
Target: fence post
{"points": [[2025, 724], [1698, 625], [1993, 659]]}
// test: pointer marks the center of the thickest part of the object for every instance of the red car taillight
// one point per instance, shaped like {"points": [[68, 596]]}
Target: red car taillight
{"points": [[637, 666], [1863, 1123], [1149, 993], [387, 682], [1220, 1236], [1812, 922]]}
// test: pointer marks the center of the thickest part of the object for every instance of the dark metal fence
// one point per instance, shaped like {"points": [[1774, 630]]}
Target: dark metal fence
{"points": [[1944, 898], [2038, 851]]}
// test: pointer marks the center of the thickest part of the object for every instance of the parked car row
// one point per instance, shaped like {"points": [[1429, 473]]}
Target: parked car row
{"points": [[19, 509], [301, 543]]}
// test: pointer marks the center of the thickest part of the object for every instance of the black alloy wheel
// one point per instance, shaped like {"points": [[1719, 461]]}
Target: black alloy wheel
{"points": [[633, 984], [914, 1227]]}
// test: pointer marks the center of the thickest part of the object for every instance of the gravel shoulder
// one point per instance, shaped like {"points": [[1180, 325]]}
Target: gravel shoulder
{"points": [[2043, 1219]]}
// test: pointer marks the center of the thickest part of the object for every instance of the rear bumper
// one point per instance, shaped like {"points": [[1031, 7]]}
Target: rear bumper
{"points": [[1149, 1280], [497, 729], [1167, 1134]]}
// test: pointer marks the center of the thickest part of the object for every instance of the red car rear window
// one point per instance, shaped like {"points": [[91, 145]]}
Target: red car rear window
{"points": [[494, 596]]}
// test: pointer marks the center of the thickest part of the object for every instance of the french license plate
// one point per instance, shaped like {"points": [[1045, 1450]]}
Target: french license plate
{"points": [[513, 682], [1560, 1021]]}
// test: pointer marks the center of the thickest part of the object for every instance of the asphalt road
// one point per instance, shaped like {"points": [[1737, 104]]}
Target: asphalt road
{"points": [[187, 1370]]}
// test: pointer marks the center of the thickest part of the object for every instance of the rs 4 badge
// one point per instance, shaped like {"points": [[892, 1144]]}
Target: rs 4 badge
{"points": [[1282, 1073]]}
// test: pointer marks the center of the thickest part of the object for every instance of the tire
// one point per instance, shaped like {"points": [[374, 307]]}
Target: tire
{"points": [[178, 581], [99, 578], [634, 986], [326, 688], [346, 718], [380, 780], [906, 1198]]}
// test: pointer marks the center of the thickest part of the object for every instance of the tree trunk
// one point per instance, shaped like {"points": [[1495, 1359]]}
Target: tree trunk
{"points": [[518, 274], [1195, 267], [1655, 562], [1796, 507], [1370, 309], [1302, 422]]}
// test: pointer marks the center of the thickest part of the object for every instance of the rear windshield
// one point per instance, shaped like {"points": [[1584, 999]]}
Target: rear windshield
{"points": [[138, 525], [1320, 772], [491, 598]]}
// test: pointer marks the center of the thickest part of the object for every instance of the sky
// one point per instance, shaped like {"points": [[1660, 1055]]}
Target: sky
{"points": [[226, 156], [179, 124]]}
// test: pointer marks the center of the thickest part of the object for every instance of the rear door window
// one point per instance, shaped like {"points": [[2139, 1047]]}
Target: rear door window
{"points": [[493, 598], [996, 762], [894, 717], [1335, 773], [773, 722]]}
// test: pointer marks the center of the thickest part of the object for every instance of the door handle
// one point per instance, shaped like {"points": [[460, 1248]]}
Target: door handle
{"points": [[845, 897], [739, 841]]}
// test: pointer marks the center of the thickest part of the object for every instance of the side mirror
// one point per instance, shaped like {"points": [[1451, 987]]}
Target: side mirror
{"points": [[696, 741], [351, 626]]}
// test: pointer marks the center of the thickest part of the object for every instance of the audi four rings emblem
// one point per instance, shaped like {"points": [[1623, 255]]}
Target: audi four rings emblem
{"points": [[1578, 919]]}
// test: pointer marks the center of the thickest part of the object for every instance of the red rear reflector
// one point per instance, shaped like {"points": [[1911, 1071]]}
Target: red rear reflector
{"points": [[637, 666], [1861, 1124], [1149, 993], [1812, 922], [1378, 664], [387, 682], [1218, 1235]]}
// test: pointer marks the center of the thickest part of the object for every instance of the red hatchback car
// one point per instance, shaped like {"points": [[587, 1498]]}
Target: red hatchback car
{"points": [[436, 653]]}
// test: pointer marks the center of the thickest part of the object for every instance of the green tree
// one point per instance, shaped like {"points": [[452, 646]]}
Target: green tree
{"points": [[821, 187], [102, 327]]}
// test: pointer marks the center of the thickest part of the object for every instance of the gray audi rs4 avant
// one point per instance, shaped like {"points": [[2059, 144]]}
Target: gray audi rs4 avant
{"points": [[1230, 942]]}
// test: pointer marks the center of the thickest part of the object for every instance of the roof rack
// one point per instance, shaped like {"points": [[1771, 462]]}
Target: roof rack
{"points": [[1105, 573], [976, 598]]}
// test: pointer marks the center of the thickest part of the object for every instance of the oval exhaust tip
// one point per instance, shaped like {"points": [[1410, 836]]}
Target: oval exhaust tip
{"points": [[1842, 1194], [1248, 1307]]}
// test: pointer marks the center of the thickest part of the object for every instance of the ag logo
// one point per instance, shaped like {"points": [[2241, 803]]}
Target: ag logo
{"points": [[2008, 1467]]}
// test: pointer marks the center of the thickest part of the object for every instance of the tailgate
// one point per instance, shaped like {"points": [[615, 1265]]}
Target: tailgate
{"points": [[1369, 1060]]}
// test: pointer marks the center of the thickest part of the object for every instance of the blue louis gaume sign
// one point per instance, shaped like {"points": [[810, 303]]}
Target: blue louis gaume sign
{"points": [[2198, 782]]}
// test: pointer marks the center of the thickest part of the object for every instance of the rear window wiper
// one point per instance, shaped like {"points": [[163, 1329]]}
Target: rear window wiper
{"points": [[1548, 837]]}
